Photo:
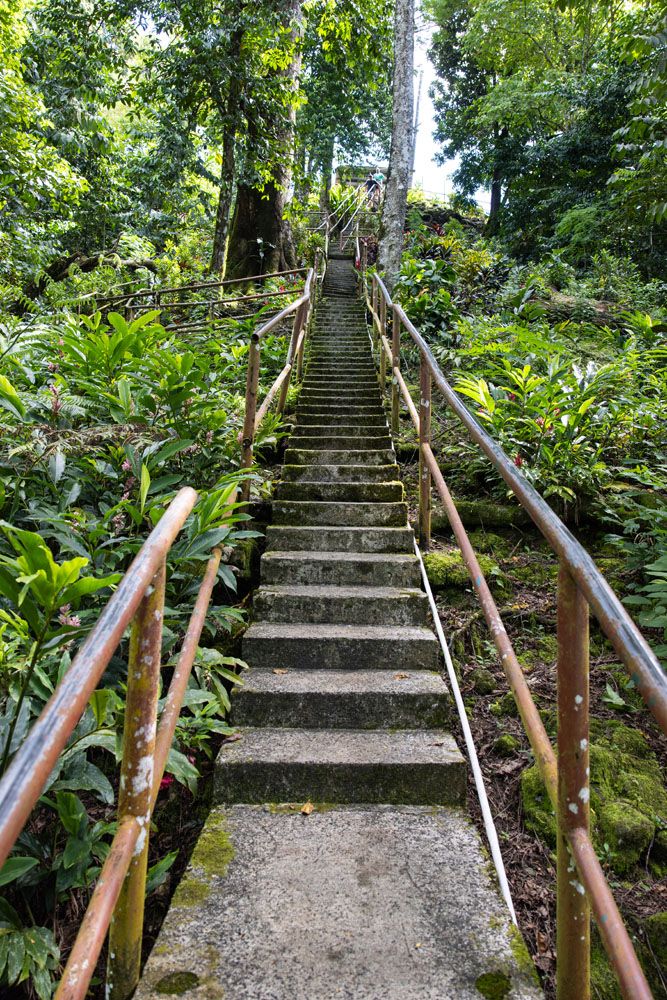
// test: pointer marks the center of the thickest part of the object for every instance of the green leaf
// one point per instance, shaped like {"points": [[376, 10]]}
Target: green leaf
{"points": [[157, 873], [10, 399], [181, 768], [145, 485], [14, 867]]}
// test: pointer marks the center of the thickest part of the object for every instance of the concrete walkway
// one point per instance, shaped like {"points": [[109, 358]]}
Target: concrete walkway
{"points": [[379, 888]]}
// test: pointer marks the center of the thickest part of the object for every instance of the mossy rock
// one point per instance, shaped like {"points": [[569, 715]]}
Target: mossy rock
{"points": [[655, 928], [505, 706], [628, 799], [490, 543], [484, 514], [538, 815], [482, 680], [506, 745], [447, 570]]}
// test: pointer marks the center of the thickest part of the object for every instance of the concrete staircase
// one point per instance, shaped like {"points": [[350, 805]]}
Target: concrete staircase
{"points": [[378, 887]]}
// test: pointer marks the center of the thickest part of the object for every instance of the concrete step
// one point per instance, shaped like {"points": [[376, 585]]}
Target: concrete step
{"points": [[340, 394], [298, 538], [412, 766], [355, 411], [322, 417], [341, 699], [347, 605], [340, 568], [372, 515], [315, 381], [340, 492], [341, 430], [339, 456], [360, 901], [338, 442], [340, 473]]}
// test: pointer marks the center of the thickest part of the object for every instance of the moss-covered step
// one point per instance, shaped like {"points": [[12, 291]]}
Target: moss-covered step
{"points": [[339, 473], [335, 646], [329, 418], [342, 699], [341, 492], [412, 767], [359, 901], [297, 538], [331, 440], [321, 512], [340, 456], [340, 568], [354, 605]]}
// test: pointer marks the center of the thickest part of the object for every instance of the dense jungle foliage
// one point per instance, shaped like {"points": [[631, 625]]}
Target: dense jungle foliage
{"points": [[152, 144]]}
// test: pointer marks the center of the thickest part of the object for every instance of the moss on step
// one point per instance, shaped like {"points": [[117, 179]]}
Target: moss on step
{"points": [[211, 858], [628, 799], [177, 983], [447, 569], [493, 985]]}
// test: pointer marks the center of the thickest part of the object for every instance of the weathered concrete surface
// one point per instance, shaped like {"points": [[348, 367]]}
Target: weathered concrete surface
{"points": [[341, 765], [388, 492], [313, 512], [339, 473], [335, 646], [342, 699], [347, 605], [321, 566], [298, 538], [356, 903]]}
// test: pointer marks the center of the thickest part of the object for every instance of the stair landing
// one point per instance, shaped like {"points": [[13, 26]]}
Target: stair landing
{"points": [[378, 888]]}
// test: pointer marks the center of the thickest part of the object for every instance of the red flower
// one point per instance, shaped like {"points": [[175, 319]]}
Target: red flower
{"points": [[166, 782], [540, 421], [518, 461], [510, 395]]}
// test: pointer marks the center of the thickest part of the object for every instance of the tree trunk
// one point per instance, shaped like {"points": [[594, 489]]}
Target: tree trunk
{"points": [[496, 201], [400, 156], [230, 114], [224, 203], [258, 240], [327, 167], [255, 238]]}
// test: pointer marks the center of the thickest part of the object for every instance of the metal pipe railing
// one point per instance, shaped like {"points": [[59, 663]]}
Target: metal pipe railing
{"points": [[302, 309], [580, 586], [117, 904]]}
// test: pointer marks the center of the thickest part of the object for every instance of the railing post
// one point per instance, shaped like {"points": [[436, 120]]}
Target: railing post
{"points": [[252, 381], [302, 315], [136, 786], [383, 333], [573, 910], [374, 309], [296, 330], [395, 363], [424, 471]]}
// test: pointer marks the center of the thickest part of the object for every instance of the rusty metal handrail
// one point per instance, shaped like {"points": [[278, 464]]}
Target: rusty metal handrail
{"points": [[302, 308], [117, 903], [580, 585]]}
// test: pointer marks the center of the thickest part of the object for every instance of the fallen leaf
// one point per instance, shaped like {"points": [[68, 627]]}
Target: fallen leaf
{"points": [[401, 677], [308, 807], [418, 945], [279, 670]]}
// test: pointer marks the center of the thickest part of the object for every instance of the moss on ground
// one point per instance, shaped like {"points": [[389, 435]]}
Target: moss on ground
{"points": [[482, 680], [447, 569], [506, 745], [628, 800]]}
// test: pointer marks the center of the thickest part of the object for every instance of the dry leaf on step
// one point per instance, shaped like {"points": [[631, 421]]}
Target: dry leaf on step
{"points": [[307, 809], [401, 677], [280, 670]]}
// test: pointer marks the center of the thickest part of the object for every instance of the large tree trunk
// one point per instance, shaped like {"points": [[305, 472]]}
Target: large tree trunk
{"points": [[496, 201], [230, 116], [255, 239], [400, 157], [259, 241], [327, 168], [224, 203]]}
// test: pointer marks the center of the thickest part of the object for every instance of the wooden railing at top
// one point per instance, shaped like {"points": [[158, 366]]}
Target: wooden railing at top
{"points": [[581, 883], [117, 903]]}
